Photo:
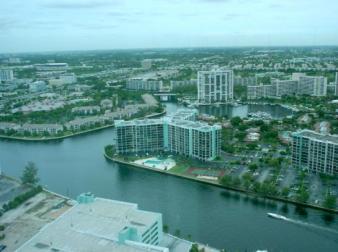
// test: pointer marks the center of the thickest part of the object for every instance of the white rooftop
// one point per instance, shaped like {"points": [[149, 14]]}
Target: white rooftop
{"points": [[93, 227]]}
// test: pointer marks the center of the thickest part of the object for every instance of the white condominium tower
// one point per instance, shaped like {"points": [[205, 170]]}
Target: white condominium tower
{"points": [[215, 86], [312, 85], [178, 134], [315, 152]]}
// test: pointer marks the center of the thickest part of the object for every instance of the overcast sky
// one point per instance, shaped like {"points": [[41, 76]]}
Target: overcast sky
{"points": [[48, 25]]}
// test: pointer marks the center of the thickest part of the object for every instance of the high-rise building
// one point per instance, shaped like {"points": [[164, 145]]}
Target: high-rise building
{"points": [[312, 85], [215, 86], [285, 87], [337, 83], [144, 84], [299, 84], [139, 136], [6, 75], [315, 152], [178, 134], [261, 91]]}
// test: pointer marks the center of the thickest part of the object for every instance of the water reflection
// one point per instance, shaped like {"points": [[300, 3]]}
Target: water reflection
{"points": [[228, 111]]}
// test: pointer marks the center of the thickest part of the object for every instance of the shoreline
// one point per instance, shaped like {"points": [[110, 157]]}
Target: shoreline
{"points": [[215, 183], [55, 138]]}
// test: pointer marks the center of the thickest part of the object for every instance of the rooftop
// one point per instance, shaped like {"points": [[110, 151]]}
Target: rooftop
{"points": [[317, 136], [93, 226]]}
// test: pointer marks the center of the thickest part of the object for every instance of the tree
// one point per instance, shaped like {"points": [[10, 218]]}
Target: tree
{"points": [[253, 167], [235, 121], [30, 173], [330, 201]]}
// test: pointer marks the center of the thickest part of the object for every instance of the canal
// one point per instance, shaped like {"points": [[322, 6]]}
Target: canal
{"points": [[208, 214]]}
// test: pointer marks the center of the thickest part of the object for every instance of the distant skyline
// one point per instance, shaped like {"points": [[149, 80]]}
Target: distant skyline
{"points": [[62, 25]]}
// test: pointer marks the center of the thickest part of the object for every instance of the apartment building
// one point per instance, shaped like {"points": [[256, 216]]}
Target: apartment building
{"points": [[215, 86], [6, 75], [316, 152], [178, 134], [312, 85], [144, 84]]}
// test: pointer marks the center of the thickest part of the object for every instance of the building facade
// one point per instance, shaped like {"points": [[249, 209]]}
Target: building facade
{"points": [[316, 152], [285, 87], [6, 75], [215, 86], [312, 85], [178, 134], [144, 84], [97, 224]]}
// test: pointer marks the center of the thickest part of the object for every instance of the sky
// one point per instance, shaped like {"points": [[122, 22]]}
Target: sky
{"points": [[58, 25]]}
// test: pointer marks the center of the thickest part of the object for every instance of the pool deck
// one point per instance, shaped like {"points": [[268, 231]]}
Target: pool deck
{"points": [[155, 163]]}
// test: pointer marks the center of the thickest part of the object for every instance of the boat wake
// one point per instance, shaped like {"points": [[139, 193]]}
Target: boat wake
{"points": [[302, 223]]}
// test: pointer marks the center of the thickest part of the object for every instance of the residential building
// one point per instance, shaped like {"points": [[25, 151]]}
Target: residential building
{"points": [[82, 123], [37, 86], [106, 103], [182, 83], [86, 110], [102, 225], [296, 76], [261, 91], [245, 81], [139, 136], [63, 79], [7, 126], [144, 84], [331, 88], [312, 85], [52, 67], [178, 134], [337, 83], [315, 152], [38, 129], [6, 75], [299, 84], [215, 86], [285, 87], [146, 63]]}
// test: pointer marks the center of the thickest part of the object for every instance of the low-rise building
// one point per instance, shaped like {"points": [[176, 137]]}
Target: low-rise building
{"points": [[86, 110], [102, 225], [315, 152], [37, 86], [39, 129], [82, 123], [106, 104], [7, 126]]}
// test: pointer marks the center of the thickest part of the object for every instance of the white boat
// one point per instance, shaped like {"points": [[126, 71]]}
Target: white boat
{"points": [[277, 216]]}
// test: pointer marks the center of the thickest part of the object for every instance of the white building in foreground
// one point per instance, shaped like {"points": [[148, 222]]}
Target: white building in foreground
{"points": [[215, 86], [100, 225]]}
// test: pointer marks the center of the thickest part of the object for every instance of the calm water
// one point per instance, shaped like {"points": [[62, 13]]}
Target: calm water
{"points": [[210, 215], [276, 111]]}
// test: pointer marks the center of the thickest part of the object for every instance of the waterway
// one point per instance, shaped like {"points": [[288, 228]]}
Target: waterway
{"points": [[229, 111], [211, 215]]}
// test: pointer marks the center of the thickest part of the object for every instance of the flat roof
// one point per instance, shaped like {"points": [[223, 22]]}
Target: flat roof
{"points": [[92, 227], [315, 135]]}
